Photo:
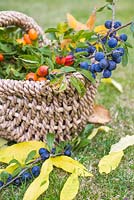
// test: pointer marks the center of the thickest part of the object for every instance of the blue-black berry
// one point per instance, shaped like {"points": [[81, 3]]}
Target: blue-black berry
{"points": [[91, 49], [1, 184], [104, 63], [121, 51], [92, 68], [35, 171], [117, 60], [84, 65], [9, 178], [26, 176], [17, 182], [112, 42], [67, 152], [123, 37], [112, 65], [115, 54], [97, 68], [117, 24], [108, 24], [106, 73], [44, 153], [99, 56]]}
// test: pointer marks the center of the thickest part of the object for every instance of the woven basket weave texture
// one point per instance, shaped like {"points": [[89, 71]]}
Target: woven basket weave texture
{"points": [[29, 110]]}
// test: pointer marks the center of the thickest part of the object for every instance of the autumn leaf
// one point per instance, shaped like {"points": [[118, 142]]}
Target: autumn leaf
{"points": [[41, 183], [20, 151], [123, 143], [101, 29], [111, 81], [110, 162], [70, 165], [70, 188], [100, 116], [10, 168], [96, 130], [91, 21]]}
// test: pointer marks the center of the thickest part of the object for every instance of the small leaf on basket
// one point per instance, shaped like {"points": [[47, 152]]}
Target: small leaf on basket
{"points": [[79, 85], [100, 116], [70, 188]]}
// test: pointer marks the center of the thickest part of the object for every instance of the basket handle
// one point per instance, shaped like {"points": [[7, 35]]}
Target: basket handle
{"points": [[8, 18]]}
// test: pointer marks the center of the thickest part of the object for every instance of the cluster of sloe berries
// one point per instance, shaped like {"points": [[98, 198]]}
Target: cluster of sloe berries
{"points": [[106, 62], [35, 170]]}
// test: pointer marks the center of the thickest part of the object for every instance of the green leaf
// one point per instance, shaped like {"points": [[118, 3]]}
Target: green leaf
{"points": [[30, 156], [15, 162], [109, 7], [16, 171], [32, 59], [51, 30], [125, 57], [50, 140], [79, 85], [101, 8], [83, 143], [128, 45], [63, 85], [132, 28], [87, 74], [109, 1], [68, 69], [49, 62], [4, 176], [88, 129]]}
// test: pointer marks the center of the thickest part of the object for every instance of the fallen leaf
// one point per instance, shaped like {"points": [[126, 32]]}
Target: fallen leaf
{"points": [[70, 188], [96, 130], [70, 165], [111, 81], [100, 116], [123, 143], [20, 151], [91, 21], [41, 183], [110, 162], [3, 142]]}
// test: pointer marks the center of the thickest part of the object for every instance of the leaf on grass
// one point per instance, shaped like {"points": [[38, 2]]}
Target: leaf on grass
{"points": [[111, 81], [110, 162], [70, 165], [96, 130], [123, 143], [100, 116], [70, 188], [41, 183], [3, 143], [91, 21], [20, 151]]}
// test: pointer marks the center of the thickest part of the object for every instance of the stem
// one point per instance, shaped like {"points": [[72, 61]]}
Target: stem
{"points": [[113, 14], [24, 170]]}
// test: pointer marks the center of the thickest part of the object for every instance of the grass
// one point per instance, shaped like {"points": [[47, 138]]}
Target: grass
{"points": [[118, 185]]}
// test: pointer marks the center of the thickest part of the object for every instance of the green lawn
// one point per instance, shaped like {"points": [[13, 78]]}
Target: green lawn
{"points": [[118, 185]]}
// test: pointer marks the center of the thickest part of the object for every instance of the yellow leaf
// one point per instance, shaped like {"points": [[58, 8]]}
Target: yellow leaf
{"points": [[70, 188], [91, 21], [9, 168], [96, 130], [20, 151], [98, 46], [101, 29], [3, 142], [123, 143], [110, 162], [70, 165], [111, 81], [41, 183], [76, 25]]}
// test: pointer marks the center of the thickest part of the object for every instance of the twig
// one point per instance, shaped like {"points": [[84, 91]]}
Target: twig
{"points": [[113, 14], [24, 170]]}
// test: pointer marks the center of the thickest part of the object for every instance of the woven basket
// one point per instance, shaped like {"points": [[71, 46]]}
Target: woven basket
{"points": [[29, 110]]}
